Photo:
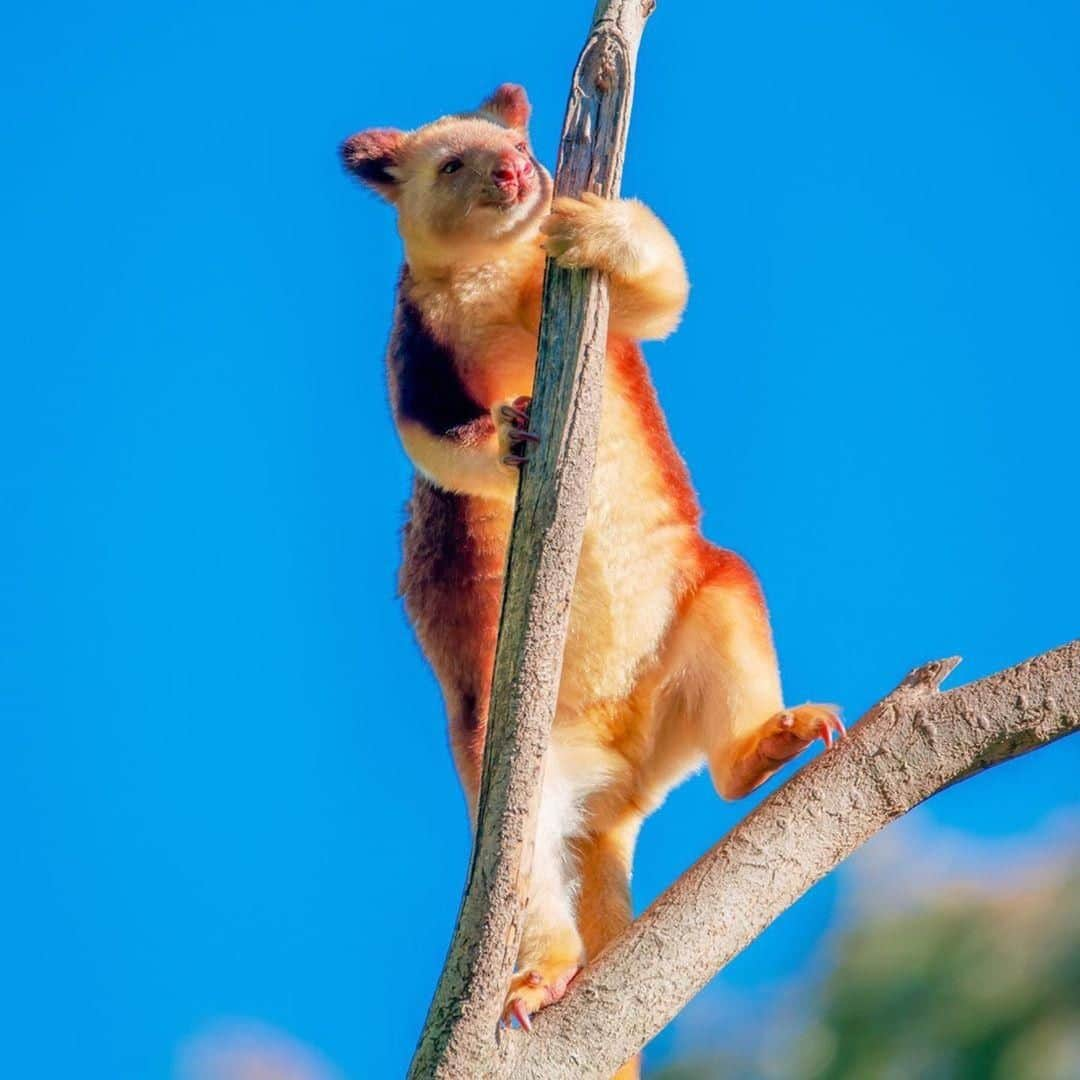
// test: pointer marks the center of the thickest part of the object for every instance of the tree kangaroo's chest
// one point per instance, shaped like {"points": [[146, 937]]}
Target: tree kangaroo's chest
{"points": [[628, 577], [628, 581]]}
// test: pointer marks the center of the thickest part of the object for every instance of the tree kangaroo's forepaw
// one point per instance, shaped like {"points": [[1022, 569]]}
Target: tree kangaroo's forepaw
{"points": [[591, 232], [535, 987], [790, 732], [512, 426]]}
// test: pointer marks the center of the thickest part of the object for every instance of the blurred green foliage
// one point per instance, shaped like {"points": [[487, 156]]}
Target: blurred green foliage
{"points": [[967, 985]]}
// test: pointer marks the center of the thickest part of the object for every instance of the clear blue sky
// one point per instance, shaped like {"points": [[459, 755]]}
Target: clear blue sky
{"points": [[225, 788]]}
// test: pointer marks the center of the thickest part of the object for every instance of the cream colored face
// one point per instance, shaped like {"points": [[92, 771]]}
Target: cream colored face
{"points": [[463, 181], [468, 179]]}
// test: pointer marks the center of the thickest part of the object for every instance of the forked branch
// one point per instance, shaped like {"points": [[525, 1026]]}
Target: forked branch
{"points": [[909, 746]]}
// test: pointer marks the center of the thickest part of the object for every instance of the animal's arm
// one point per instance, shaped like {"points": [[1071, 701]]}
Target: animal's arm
{"points": [[625, 239], [455, 441], [466, 458]]}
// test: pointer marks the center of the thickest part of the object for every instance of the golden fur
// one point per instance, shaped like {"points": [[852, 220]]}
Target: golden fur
{"points": [[669, 658]]}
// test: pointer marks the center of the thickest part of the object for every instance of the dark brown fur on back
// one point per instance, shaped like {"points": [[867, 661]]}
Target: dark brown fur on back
{"points": [[451, 583]]}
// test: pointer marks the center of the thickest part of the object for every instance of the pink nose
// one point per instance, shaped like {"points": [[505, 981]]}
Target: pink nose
{"points": [[511, 169]]}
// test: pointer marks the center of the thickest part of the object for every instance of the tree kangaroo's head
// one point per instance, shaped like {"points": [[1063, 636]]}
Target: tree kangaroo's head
{"points": [[466, 180]]}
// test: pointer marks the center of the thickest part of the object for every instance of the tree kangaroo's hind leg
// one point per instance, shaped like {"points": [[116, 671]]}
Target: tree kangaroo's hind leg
{"points": [[731, 681], [551, 950]]}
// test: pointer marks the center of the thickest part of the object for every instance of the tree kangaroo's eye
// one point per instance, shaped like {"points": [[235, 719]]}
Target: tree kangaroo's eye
{"points": [[451, 166], [522, 147]]}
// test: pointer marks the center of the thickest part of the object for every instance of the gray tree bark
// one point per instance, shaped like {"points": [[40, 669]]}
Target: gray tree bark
{"points": [[459, 1034]]}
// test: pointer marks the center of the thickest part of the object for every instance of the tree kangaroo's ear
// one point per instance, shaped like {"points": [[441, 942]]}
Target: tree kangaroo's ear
{"points": [[509, 104], [371, 156]]}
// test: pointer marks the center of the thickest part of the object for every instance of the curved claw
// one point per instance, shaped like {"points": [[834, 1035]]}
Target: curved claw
{"points": [[513, 459], [518, 435], [513, 414], [832, 728], [521, 1014]]}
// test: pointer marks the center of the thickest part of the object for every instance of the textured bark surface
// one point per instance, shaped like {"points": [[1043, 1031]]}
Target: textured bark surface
{"points": [[912, 744], [459, 1036]]}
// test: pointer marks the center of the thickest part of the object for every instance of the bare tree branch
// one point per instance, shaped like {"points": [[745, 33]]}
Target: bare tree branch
{"points": [[545, 542], [912, 744]]}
